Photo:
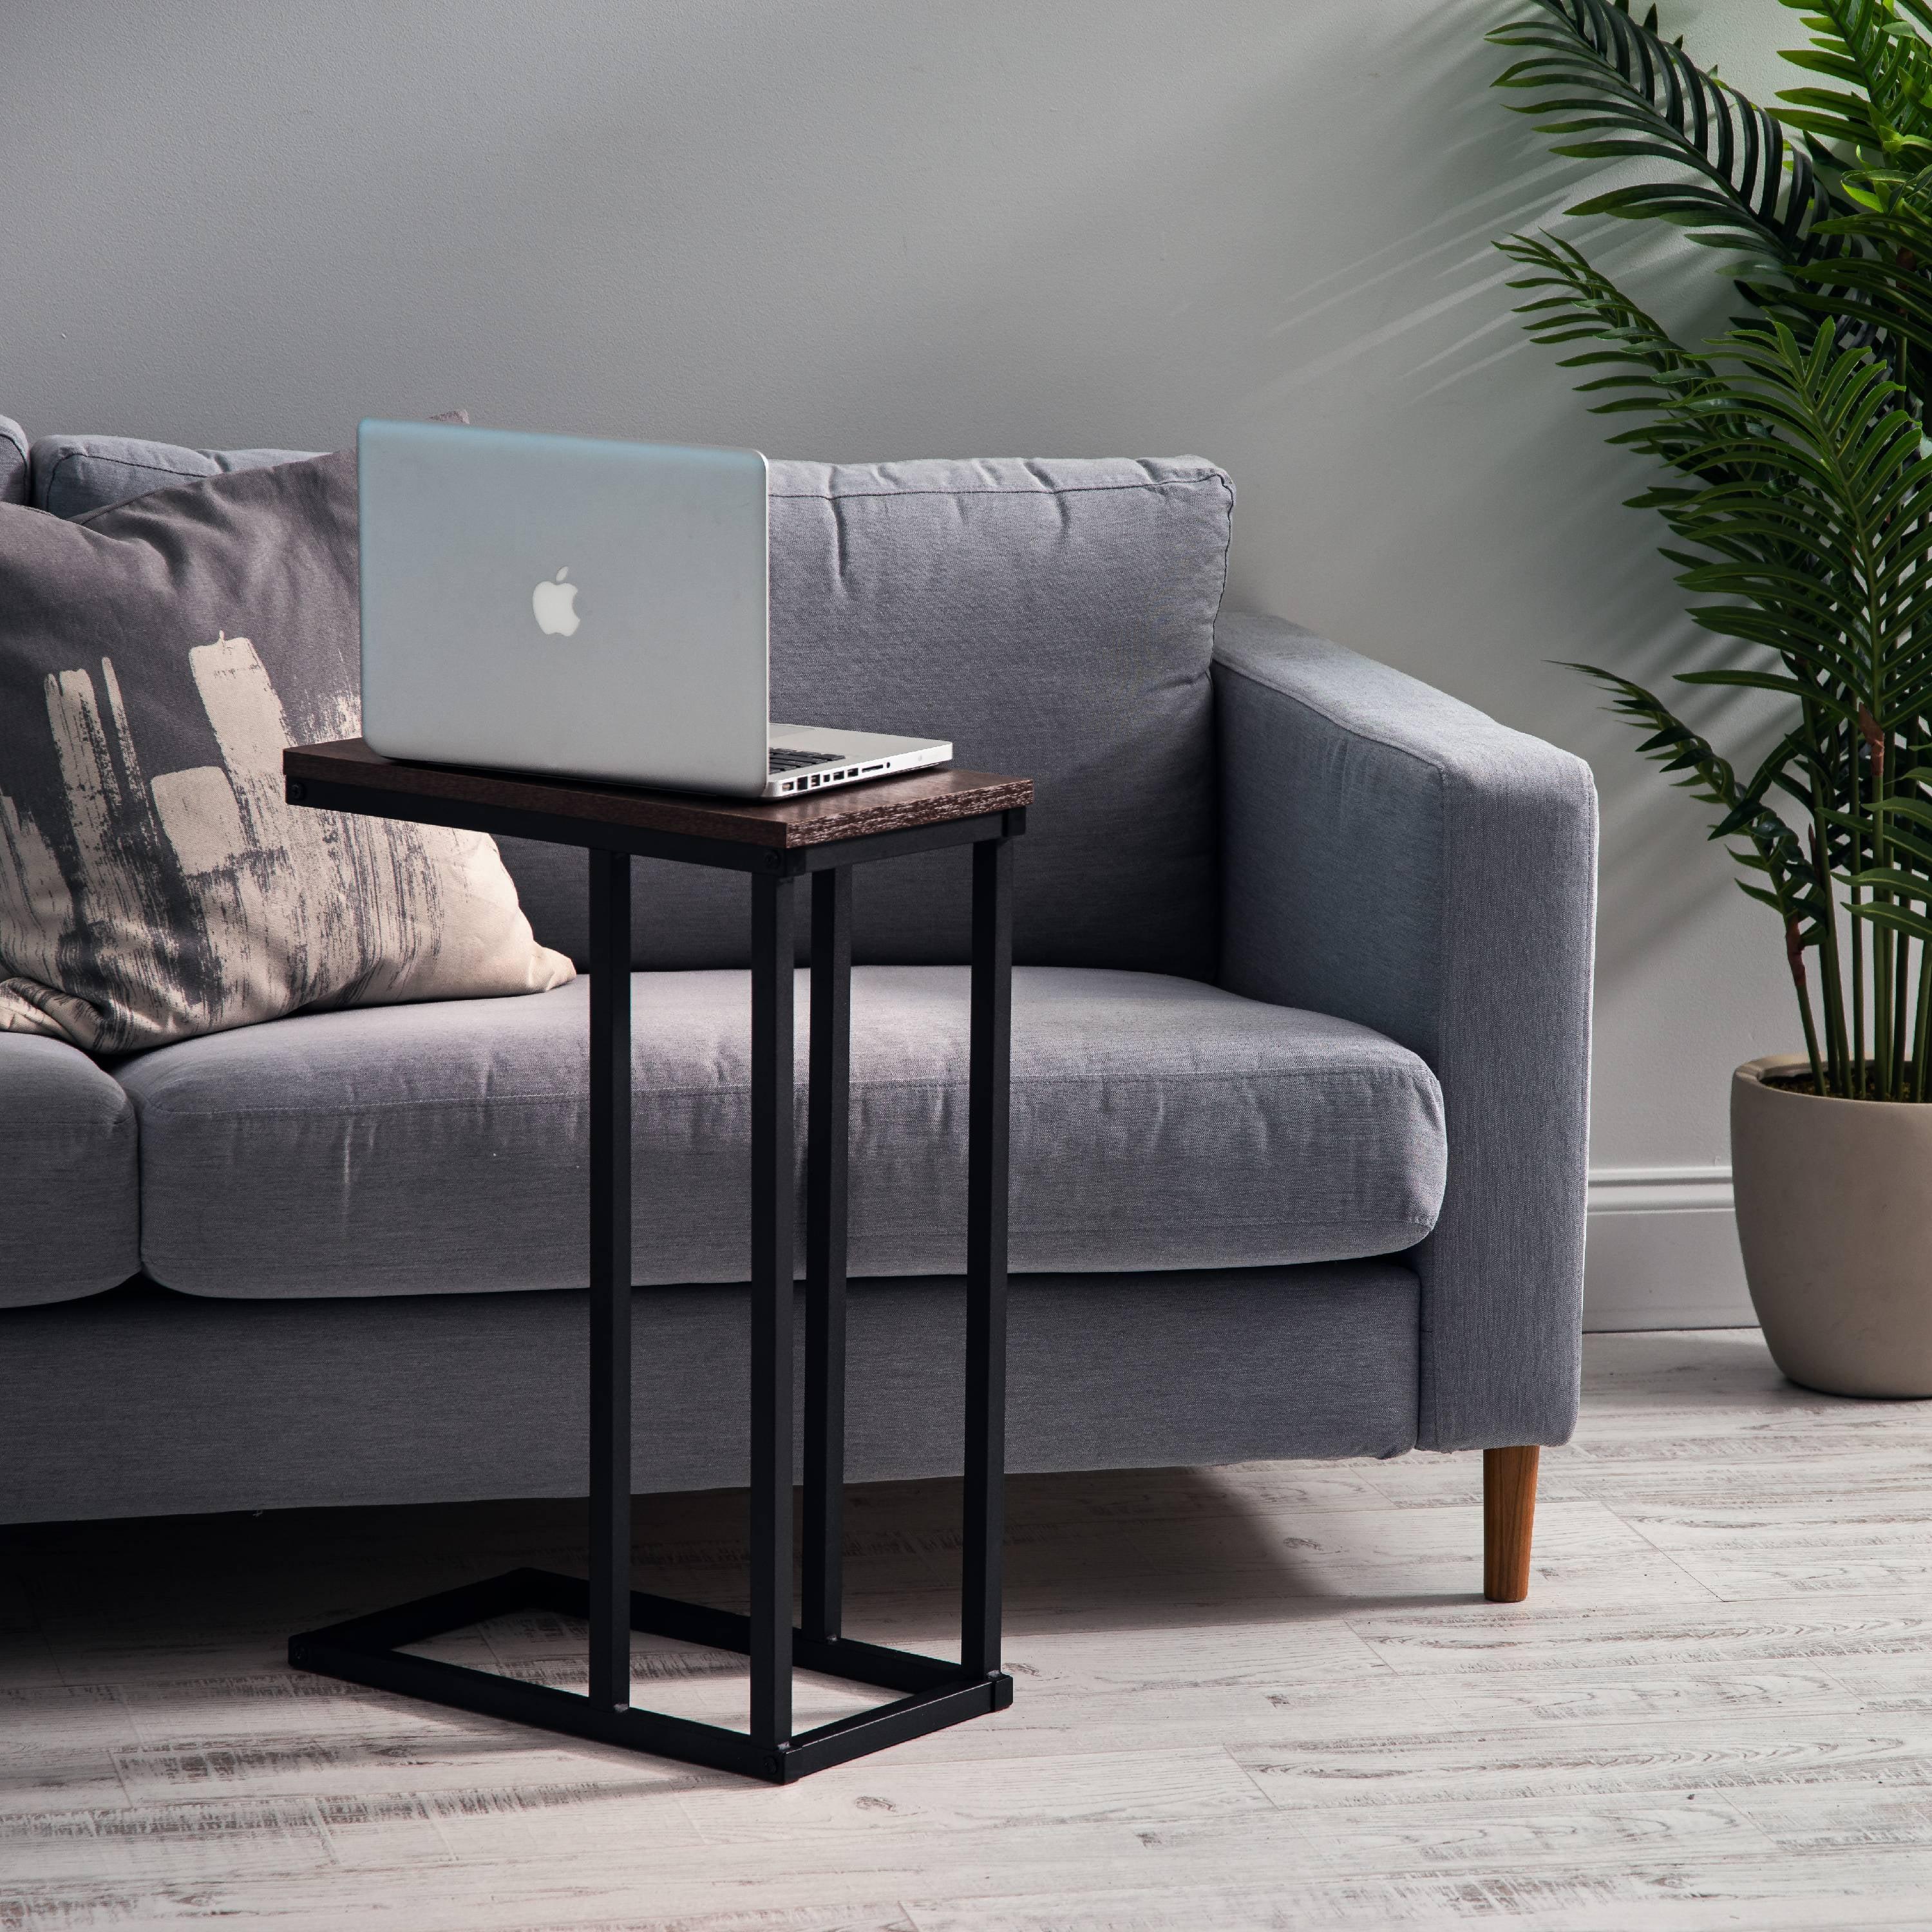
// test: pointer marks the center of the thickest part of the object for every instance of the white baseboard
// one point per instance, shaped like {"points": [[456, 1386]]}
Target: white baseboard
{"points": [[1662, 1251]]}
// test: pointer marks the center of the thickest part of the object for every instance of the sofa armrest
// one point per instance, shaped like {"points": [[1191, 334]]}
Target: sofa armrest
{"points": [[1392, 856], [70, 1202]]}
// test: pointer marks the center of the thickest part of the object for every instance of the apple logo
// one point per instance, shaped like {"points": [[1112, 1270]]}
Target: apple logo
{"points": [[555, 603]]}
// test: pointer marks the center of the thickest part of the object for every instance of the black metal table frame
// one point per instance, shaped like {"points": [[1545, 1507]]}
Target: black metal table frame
{"points": [[934, 1694]]}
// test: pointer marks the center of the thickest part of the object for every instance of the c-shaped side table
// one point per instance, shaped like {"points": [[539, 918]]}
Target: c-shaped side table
{"points": [[823, 834]]}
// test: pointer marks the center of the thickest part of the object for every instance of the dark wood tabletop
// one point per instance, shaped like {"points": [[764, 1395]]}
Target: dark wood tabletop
{"points": [[821, 818]]}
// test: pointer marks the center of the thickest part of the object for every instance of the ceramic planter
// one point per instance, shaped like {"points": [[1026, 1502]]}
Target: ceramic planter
{"points": [[1834, 1216]]}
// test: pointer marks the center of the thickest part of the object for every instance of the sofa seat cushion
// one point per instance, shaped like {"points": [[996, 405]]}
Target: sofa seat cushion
{"points": [[70, 1203], [1157, 1123]]}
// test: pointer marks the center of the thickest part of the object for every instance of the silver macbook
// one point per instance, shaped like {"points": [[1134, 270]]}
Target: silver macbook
{"points": [[561, 604]]}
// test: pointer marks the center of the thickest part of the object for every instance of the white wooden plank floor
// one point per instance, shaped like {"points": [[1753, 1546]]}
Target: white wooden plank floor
{"points": [[1265, 1696]]}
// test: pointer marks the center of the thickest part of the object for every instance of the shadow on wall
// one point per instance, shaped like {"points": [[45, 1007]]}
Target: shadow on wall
{"points": [[1258, 231], [1661, 873], [1423, 323]]}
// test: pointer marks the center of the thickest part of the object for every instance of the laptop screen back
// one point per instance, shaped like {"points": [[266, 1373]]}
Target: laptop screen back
{"points": [[564, 604]]}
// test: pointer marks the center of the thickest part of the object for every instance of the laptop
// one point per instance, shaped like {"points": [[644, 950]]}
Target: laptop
{"points": [[589, 608]]}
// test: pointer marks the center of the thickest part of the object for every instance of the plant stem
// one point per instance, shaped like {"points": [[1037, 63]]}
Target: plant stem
{"points": [[1828, 927], [1883, 1009], [1901, 993], [1922, 1041], [1794, 953], [1818, 1079], [1854, 1086]]}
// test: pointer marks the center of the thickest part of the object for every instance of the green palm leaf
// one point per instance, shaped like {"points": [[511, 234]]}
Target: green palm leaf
{"points": [[1802, 511], [1572, 302], [1830, 541], [1792, 474], [1877, 282], [1696, 766], [1882, 108], [1616, 90]]}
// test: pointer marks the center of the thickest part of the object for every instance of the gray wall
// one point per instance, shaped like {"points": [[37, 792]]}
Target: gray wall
{"points": [[1255, 229]]}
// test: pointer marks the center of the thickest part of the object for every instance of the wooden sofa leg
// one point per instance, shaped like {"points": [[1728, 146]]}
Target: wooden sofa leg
{"points": [[1509, 1514]]}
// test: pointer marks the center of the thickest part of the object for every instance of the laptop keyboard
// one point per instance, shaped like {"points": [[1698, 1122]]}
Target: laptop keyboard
{"points": [[788, 758]]}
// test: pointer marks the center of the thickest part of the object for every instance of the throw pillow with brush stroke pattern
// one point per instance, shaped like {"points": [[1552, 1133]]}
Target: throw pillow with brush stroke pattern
{"points": [[155, 658]]}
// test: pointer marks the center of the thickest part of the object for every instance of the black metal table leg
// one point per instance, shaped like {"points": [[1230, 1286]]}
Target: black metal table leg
{"points": [[820, 1563], [772, 1255], [929, 1693], [609, 1278], [990, 1060]]}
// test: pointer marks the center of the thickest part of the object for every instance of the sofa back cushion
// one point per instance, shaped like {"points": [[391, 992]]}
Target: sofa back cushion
{"points": [[1053, 619]]}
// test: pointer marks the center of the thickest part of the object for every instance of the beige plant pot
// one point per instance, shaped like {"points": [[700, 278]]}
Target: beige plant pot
{"points": [[1834, 1216]]}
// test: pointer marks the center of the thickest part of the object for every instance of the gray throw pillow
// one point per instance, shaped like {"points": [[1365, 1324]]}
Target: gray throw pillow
{"points": [[155, 658], [14, 469], [73, 475]]}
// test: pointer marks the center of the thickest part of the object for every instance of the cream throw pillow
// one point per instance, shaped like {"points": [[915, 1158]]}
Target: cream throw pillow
{"points": [[155, 658]]}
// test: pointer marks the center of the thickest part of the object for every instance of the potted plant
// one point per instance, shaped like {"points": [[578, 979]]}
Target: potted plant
{"points": [[1796, 484]]}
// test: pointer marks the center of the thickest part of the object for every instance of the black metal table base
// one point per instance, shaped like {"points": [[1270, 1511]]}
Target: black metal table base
{"points": [[368, 1650], [934, 1693]]}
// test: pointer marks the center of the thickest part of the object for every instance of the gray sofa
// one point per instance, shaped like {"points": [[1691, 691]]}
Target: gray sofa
{"points": [[1301, 1017]]}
